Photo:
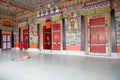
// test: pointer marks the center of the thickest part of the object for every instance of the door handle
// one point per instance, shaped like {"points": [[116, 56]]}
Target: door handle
{"points": [[97, 37]]}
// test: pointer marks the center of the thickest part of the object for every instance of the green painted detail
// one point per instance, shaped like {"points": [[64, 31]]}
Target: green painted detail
{"points": [[22, 25], [70, 9], [41, 21], [118, 37], [1, 4], [117, 3], [53, 18], [56, 18], [96, 11]]}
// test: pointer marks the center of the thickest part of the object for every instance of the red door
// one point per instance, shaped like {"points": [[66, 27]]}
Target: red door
{"points": [[56, 39], [25, 38], [97, 35], [47, 38]]}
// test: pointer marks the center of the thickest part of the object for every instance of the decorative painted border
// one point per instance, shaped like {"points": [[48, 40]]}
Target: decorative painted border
{"points": [[97, 8]]}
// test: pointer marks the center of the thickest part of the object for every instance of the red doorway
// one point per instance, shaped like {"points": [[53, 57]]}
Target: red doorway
{"points": [[47, 38], [56, 37], [97, 35], [25, 38]]}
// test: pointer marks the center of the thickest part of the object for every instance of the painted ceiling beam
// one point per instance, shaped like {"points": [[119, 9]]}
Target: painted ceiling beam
{"points": [[17, 6], [41, 4]]}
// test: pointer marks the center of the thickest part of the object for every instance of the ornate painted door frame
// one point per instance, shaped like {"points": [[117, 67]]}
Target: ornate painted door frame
{"points": [[107, 32]]}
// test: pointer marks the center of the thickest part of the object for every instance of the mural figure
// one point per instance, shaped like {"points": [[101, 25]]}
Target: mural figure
{"points": [[72, 29], [117, 17], [16, 36], [33, 33], [72, 22]]}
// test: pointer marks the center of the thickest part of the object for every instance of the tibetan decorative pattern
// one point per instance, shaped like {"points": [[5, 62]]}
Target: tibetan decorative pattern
{"points": [[7, 28], [7, 22], [54, 17], [6, 9], [41, 20], [96, 8], [22, 24], [117, 5], [117, 16], [29, 4], [6, 32], [16, 36], [73, 34]]}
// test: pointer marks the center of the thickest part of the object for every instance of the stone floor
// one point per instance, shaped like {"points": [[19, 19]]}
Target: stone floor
{"points": [[56, 67]]}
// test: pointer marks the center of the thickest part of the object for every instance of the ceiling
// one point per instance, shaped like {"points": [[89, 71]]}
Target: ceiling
{"points": [[28, 4], [12, 7]]}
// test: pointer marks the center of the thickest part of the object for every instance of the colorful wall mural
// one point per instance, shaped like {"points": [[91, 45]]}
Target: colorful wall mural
{"points": [[16, 37], [72, 13], [117, 16], [73, 34], [96, 7], [33, 35]]}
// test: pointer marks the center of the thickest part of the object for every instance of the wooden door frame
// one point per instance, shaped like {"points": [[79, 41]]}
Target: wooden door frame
{"points": [[108, 31]]}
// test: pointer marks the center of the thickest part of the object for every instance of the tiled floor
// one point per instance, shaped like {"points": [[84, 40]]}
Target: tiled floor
{"points": [[57, 67]]}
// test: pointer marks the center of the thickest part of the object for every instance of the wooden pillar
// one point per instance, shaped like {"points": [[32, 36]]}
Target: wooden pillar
{"points": [[38, 28], [12, 39], [28, 36], [19, 35], [82, 34], [0, 38], [63, 35], [113, 32]]}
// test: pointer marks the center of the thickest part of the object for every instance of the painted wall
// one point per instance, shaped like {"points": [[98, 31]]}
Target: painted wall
{"points": [[73, 34], [117, 17], [33, 35], [73, 27], [16, 37]]}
